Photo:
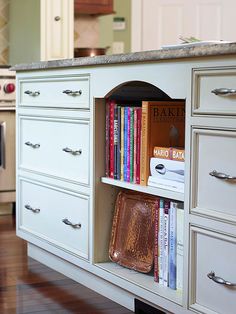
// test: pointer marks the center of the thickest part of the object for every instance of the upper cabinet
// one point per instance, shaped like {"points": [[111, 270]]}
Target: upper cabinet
{"points": [[96, 7], [159, 22], [57, 27]]}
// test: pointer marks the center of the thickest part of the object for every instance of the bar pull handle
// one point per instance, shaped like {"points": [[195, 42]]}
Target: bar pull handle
{"points": [[222, 176], [32, 145], [73, 225], [224, 91], [71, 151], [220, 280], [3, 145], [34, 210], [31, 93], [72, 92]]}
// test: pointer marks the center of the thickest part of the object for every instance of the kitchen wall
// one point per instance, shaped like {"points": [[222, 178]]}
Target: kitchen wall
{"points": [[4, 28], [24, 31], [106, 38]]}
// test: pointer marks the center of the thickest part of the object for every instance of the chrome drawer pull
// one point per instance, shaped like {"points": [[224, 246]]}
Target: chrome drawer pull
{"points": [[219, 280], [33, 94], [222, 176], [32, 145], [72, 92], [72, 152], [34, 210], [224, 91], [69, 223]]}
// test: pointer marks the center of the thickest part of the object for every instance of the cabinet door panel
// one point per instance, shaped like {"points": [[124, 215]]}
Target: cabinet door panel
{"points": [[56, 29], [43, 209], [213, 195], [212, 253], [45, 146]]}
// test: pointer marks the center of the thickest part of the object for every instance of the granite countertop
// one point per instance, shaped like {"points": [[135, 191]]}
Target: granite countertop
{"points": [[178, 52]]}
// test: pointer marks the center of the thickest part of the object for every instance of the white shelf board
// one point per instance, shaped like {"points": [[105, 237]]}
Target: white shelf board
{"points": [[145, 189], [145, 281]]}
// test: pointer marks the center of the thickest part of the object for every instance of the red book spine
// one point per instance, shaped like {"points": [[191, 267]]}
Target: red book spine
{"points": [[157, 205], [111, 128], [138, 150]]}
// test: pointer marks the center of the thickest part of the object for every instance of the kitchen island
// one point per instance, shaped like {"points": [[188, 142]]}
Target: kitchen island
{"points": [[65, 203]]}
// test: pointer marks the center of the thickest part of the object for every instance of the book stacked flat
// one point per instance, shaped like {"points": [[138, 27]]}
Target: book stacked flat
{"points": [[168, 244], [167, 169], [123, 135]]}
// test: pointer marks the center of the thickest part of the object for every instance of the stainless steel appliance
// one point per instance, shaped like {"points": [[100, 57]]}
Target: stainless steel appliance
{"points": [[7, 135]]}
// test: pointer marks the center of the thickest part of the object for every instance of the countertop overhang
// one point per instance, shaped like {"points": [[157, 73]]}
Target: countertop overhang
{"points": [[137, 57]]}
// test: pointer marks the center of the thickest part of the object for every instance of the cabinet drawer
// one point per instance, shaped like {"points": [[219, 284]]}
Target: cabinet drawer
{"points": [[212, 253], [213, 195], [55, 92], [206, 85], [42, 210], [56, 147]]}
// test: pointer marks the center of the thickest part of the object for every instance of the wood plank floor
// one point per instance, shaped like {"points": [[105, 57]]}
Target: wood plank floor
{"points": [[27, 286]]}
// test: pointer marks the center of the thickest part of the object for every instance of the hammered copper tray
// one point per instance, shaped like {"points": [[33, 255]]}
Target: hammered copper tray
{"points": [[132, 237]]}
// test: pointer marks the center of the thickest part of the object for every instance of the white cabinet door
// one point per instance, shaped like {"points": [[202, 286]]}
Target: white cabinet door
{"points": [[57, 29], [162, 22]]}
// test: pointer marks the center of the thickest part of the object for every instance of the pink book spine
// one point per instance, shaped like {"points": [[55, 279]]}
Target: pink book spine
{"points": [[135, 145], [156, 275], [139, 117], [112, 105], [128, 147]]}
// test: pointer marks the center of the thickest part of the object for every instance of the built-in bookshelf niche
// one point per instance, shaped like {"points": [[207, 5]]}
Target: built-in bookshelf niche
{"points": [[107, 189]]}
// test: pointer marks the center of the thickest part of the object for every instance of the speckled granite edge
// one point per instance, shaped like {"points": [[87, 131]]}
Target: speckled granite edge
{"points": [[153, 55]]}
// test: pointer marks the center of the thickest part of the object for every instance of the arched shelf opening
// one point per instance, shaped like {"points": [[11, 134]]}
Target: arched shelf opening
{"points": [[135, 92]]}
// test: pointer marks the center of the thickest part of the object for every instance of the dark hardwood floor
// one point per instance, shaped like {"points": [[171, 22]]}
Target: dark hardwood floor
{"points": [[26, 286]]}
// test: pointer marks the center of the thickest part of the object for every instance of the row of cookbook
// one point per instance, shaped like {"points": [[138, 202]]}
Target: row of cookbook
{"points": [[168, 244], [133, 131]]}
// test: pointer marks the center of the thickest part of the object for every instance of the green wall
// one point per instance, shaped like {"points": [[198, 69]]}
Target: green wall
{"points": [[24, 31], [122, 8]]}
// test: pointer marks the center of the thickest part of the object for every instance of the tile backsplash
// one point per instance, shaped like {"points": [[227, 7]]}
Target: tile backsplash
{"points": [[86, 31], [4, 36]]}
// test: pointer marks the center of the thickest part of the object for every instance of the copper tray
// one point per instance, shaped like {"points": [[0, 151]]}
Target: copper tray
{"points": [[132, 237]]}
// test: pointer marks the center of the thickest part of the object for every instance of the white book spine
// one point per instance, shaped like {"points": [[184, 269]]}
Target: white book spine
{"points": [[166, 184], [180, 246], [172, 245], [166, 243]]}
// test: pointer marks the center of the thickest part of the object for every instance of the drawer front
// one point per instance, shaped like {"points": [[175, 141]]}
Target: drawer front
{"points": [[42, 210], [212, 194], [55, 147], [212, 255], [55, 92], [214, 91]]}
